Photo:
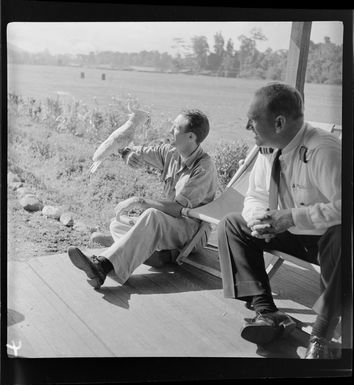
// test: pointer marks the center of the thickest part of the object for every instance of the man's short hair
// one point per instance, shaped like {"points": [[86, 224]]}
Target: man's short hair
{"points": [[282, 99], [198, 123]]}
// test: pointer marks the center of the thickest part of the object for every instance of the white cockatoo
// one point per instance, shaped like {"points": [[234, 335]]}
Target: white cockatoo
{"points": [[120, 138]]}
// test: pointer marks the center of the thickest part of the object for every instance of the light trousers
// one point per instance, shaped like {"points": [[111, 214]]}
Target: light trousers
{"points": [[153, 231]]}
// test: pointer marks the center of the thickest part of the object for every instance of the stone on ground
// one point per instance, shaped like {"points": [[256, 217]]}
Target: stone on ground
{"points": [[31, 203]]}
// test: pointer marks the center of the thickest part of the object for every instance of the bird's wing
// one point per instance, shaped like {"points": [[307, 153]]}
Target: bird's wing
{"points": [[120, 138], [126, 129], [105, 149]]}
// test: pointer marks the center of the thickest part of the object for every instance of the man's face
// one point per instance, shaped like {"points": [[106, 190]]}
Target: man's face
{"points": [[180, 139], [260, 123]]}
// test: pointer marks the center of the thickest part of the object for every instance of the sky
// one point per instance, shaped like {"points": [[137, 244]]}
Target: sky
{"points": [[84, 37]]}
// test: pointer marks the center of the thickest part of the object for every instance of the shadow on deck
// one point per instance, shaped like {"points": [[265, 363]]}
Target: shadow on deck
{"points": [[174, 311]]}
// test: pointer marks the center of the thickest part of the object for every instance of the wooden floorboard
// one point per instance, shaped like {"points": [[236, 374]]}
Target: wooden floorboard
{"points": [[173, 311]]}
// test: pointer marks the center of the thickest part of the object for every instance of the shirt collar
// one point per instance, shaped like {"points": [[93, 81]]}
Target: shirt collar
{"points": [[192, 157], [296, 140]]}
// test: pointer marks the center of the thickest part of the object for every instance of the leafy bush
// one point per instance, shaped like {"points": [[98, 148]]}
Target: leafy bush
{"points": [[54, 142], [227, 156]]}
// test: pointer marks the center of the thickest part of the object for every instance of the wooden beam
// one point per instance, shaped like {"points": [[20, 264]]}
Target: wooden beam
{"points": [[298, 54]]}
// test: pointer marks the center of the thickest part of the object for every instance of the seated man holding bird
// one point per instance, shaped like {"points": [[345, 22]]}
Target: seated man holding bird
{"points": [[189, 177]]}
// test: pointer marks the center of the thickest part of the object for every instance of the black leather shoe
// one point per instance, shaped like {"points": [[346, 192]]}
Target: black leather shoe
{"points": [[90, 265], [317, 349], [264, 328]]}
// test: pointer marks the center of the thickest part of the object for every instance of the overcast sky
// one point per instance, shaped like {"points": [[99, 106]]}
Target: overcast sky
{"points": [[83, 37]]}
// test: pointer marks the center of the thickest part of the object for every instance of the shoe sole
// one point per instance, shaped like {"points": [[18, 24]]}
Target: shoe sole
{"points": [[264, 334], [81, 262], [260, 334]]}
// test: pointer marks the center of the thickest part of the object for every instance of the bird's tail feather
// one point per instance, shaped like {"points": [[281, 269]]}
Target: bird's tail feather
{"points": [[94, 166]]}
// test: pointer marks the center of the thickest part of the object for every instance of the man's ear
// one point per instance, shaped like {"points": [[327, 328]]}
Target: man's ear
{"points": [[280, 121], [192, 136]]}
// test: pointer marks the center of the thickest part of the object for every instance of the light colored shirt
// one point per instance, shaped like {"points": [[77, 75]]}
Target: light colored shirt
{"points": [[311, 189], [191, 182]]}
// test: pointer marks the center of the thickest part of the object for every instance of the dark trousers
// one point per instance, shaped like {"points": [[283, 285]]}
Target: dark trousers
{"points": [[245, 256]]}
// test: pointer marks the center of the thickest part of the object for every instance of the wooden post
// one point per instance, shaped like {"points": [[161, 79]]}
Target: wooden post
{"points": [[298, 54]]}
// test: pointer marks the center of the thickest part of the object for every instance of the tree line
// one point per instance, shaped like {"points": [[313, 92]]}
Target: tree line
{"points": [[198, 57]]}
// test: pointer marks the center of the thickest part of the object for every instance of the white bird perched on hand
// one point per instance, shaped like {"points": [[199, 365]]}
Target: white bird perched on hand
{"points": [[120, 138]]}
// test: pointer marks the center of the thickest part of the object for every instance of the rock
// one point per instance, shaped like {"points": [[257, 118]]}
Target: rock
{"points": [[67, 219], [31, 203], [102, 239], [51, 212], [22, 191]]}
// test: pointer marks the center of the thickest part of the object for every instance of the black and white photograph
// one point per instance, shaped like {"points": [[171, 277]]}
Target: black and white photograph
{"points": [[174, 190]]}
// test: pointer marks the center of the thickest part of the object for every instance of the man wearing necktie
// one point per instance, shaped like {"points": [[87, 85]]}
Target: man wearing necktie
{"points": [[293, 204]]}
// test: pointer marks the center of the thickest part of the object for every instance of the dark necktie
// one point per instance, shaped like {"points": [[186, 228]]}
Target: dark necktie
{"points": [[274, 183]]}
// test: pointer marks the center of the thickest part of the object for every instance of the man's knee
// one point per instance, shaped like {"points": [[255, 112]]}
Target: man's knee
{"points": [[333, 237], [230, 223], [152, 214], [330, 243], [154, 218], [113, 226], [335, 233]]}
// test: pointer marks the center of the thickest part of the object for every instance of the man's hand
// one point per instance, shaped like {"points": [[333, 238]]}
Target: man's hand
{"points": [[134, 161], [267, 225], [126, 205]]}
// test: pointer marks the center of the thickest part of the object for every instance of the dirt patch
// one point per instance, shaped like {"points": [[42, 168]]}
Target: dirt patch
{"points": [[32, 235]]}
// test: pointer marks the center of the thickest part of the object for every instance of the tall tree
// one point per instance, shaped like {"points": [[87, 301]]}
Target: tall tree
{"points": [[216, 59], [229, 63], [200, 48], [181, 46], [219, 44], [257, 34], [246, 52]]}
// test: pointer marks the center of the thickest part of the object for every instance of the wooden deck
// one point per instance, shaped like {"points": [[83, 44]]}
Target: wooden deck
{"points": [[174, 311]]}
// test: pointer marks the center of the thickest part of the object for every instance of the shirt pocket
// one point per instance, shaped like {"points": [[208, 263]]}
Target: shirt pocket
{"points": [[181, 183], [303, 195]]}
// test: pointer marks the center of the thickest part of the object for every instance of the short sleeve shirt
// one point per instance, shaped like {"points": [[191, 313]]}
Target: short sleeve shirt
{"points": [[190, 182]]}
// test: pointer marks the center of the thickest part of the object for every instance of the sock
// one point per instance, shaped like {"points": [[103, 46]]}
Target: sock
{"points": [[105, 264], [324, 328], [264, 303]]}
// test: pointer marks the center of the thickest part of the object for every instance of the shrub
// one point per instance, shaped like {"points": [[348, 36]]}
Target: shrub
{"points": [[56, 148], [227, 156]]}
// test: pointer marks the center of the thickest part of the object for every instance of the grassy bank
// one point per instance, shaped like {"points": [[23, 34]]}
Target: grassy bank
{"points": [[51, 143]]}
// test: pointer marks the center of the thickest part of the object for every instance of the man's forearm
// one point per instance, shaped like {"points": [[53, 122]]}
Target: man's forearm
{"points": [[170, 208]]}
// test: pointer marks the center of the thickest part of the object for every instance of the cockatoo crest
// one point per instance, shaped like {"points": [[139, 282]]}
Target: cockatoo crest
{"points": [[121, 137]]}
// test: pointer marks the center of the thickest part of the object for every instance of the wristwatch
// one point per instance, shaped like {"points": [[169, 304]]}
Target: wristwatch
{"points": [[125, 152], [184, 212]]}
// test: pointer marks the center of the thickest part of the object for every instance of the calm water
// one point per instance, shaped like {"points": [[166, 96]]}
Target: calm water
{"points": [[224, 100]]}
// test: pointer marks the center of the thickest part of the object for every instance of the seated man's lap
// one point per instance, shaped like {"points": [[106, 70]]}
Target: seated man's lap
{"points": [[176, 233]]}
